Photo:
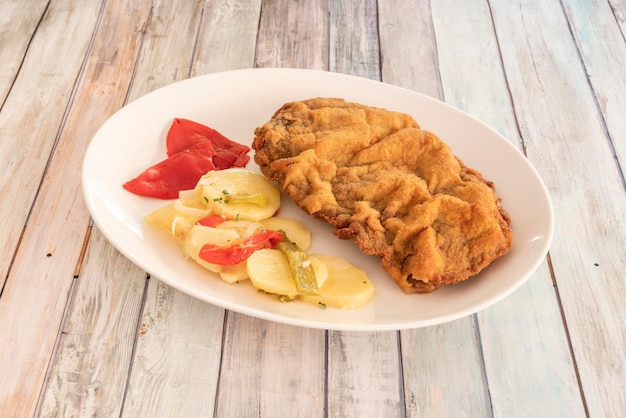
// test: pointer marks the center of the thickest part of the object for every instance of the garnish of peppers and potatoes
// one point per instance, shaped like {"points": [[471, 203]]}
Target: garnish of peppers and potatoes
{"points": [[222, 215]]}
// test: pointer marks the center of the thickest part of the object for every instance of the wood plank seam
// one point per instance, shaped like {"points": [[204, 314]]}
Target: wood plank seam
{"points": [[135, 344], [483, 364], [17, 246], [607, 132], [401, 384], [19, 68], [55, 349], [570, 345]]}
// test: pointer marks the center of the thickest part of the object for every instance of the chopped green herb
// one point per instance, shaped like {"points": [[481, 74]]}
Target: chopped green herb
{"points": [[205, 199], [322, 305]]}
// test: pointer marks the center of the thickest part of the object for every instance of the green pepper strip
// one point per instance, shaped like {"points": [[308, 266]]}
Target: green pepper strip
{"points": [[258, 199], [303, 273]]}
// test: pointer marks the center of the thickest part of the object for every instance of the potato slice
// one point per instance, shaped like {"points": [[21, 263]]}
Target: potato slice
{"points": [[240, 194], [347, 286], [234, 274], [269, 271], [193, 198], [199, 235], [296, 231], [175, 218]]}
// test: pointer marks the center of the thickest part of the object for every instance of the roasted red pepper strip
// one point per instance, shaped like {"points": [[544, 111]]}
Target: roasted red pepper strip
{"points": [[179, 172], [212, 220], [186, 133], [236, 253]]}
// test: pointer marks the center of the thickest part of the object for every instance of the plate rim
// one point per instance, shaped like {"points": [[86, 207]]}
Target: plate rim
{"points": [[311, 323]]}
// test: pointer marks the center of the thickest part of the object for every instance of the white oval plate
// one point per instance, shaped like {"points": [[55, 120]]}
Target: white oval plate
{"points": [[235, 103]]}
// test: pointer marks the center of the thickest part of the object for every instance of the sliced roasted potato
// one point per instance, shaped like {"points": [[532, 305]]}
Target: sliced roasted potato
{"points": [[346, 287], [240, 194], [269, 271]]}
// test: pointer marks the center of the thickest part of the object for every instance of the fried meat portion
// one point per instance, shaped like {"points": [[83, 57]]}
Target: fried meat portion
{"points": [[396, 190]]}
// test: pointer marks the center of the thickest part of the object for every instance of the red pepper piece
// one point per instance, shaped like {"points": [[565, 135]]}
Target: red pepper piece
{"points": [[236, 253], [212, 220], [184, 133], [179, 172]]}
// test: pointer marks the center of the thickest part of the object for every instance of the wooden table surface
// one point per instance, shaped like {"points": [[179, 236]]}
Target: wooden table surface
{"points": [[84, 332]]}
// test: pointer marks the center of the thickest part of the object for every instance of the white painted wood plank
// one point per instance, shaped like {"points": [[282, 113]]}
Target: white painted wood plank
{"points": [[179, 344], [408, 50], [619, 11], [97, 339], [364, 375], [227, 37], [36, 291], [529, 367], [600, 39], [270, 369], [467, 72], [354, 44], [32, 113], [566, 140], [18, 22], [174, 323], [177, 358], [443, 373], [101, 90], [168, 46], [289, 35], [437, 361]]}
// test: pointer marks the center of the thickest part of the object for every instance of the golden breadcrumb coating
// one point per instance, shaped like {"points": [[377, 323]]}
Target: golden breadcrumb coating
{"points": [[394, 189]]}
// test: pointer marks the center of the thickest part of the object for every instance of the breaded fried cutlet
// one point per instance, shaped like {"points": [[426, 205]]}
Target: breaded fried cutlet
{"points": [[394, 189]]}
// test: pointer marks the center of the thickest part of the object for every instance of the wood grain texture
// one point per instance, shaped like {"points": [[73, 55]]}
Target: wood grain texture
{"points": [[289, 34], [528, 365], [34, 110], [45, 286], [84, 333], [618, 7], [177, 357], [408, 49], [467, 71], [566, 140], [18, 23], [364, 377], [179, 342], [269, 367], [262, 367], [227, 37], [354, 46], [43, 270], [168, 46], [96, 344], [437, 361], [443, 373], [599, 33]]}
